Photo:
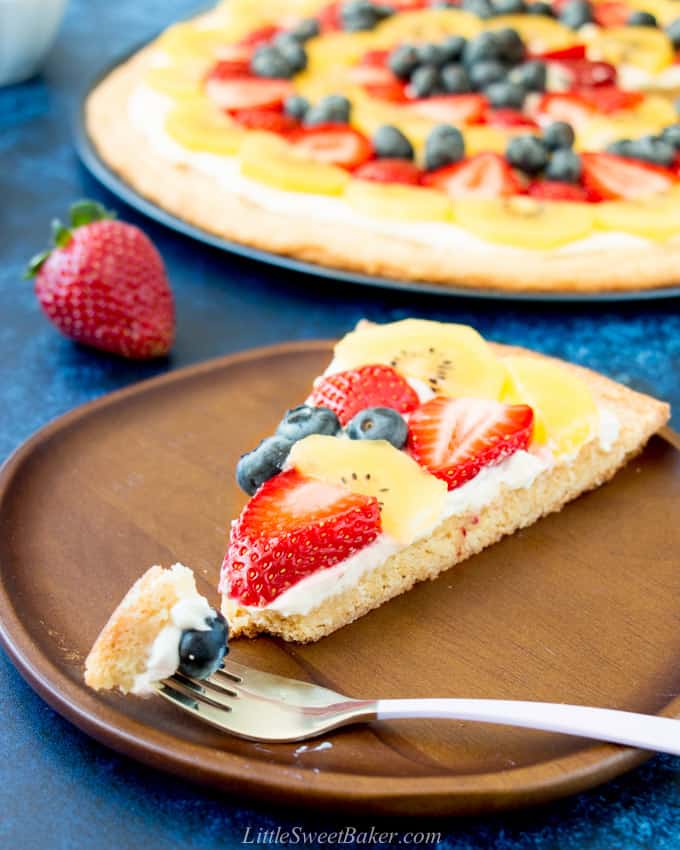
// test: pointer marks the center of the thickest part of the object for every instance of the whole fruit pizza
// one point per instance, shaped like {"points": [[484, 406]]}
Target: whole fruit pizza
{"points": [[502, 144]]}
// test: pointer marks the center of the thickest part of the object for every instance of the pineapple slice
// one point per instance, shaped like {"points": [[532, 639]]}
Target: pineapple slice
{"points": [[176, 81], [539, 33], [565, 413], [487, 139], [450, 360], [665, 11], [649, 118], [645, 47], [411, 500], [408, 203], [369, 114], [525, 222], [186, 42], [425, 25], [656, 218], [197, 125], [267, 158]]}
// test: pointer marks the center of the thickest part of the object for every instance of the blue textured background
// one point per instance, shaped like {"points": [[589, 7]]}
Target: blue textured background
{"points": [[61, 790]]}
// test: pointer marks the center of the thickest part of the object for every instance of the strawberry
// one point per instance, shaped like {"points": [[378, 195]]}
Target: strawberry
{"points": [[611, 13], [575, 51], [334, 144], [608, 99], [452, 108], [555, 190], [330, 17], [376, 78], [271, 120], [346, 393], [455, 438], [583, 74], [292, 527], [485, 175], [103, 284], [389, 171], [509, 118], [611, 177], [248, 92], [565, 106], [225, 69], [260, 36]]}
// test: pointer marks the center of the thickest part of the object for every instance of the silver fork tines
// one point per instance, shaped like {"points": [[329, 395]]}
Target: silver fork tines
{"points": [[265, 707]]}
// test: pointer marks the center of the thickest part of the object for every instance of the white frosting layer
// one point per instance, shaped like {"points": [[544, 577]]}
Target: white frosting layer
{"points": [[189, 613], [516, 472], [148, 109]]}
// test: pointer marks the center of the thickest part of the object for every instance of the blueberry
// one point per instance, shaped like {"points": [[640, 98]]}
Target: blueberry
{"points": [[576, 14], [565, 166], [425, 81], [454, 79], [509, 7], [672, 135], [532, 76], [379, 423], [642, 19], [304, 420], [391, 143], [444, 146], [306, 29], [430, 54], [653, 149], [403, 61], [268, 61], [201, 651], [453, 47], [484, 46], [527, 153], [332, 109], [621, 147], [510, 45], [296, 106], [359, 15], [482, 74], [291, 50], [557, 135], [673, 32], [482, 8], [541, 8], [505, 95], [258, 466]]}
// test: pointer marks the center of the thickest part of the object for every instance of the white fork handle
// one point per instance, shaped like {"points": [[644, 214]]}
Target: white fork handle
{"points": [[604, 724]]}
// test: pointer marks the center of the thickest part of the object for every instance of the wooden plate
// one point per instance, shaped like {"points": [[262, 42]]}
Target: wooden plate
{"points": [[582, 607]]}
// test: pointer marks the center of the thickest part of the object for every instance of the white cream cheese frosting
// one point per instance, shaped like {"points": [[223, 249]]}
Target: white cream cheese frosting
{"points": [[148, 110], [189, 613]]}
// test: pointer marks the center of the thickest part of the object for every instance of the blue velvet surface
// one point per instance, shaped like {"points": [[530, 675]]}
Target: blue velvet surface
{"points": [[62, 790]]}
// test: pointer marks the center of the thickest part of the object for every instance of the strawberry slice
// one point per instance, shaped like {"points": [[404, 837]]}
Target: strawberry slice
{"points": [[225, 69], [270, 120], [555, 190], [389, 171], [330, 17], [452, 108], [575, 51], [611, 13], [485, 175], [608, 99], [377, 79], [582, 73], [249, 92], [262, 35], [455, 438], [509, 118], [334, 144], [292, 527], [567, 106], [611, 177], [375, 385]]}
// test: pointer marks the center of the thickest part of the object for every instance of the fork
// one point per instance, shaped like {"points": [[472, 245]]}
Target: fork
{"points": [[273, 709]]}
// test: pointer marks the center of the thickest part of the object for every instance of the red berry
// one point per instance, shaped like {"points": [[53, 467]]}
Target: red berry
{"points": [[346, 393], [610, 177], [248, 92], [389, 171], [455, 438], [485, 175], [270, 120], [106, 287], [555, 190], [458, 109], [334, 144], [292, 527]]}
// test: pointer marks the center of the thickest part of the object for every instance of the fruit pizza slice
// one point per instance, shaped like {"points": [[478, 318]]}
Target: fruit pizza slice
{"points": [[421, 445]]}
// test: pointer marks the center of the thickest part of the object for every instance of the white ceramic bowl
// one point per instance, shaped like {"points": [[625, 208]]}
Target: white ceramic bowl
{"points": [[27, 30]]}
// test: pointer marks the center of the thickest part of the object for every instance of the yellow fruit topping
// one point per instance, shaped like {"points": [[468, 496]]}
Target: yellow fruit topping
{"points": [[487, 139], [177, 81], [451, 360], [186, 42], [525, 222], [270, 160], [540, 34], [646, 47], [408, 203], [565, 413], [656, 218], [411, 500], [198, 125], [426, 25]]}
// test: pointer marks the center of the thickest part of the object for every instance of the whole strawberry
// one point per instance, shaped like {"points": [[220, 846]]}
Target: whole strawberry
{"points": [[103, 284]]}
